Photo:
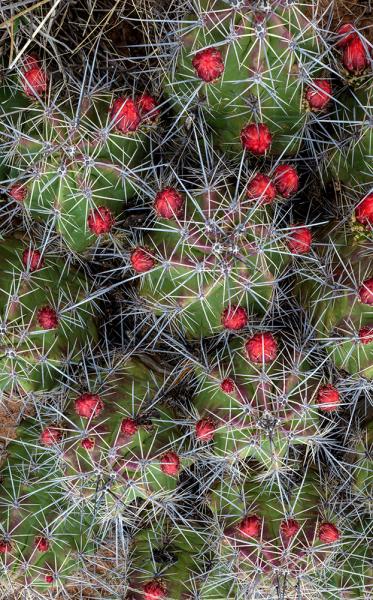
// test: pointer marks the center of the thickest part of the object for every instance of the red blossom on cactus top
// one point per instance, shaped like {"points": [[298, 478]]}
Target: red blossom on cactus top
{"points": [[347, 33], [100, 220], [366, 335], [125, 115], [148, 107], [128, 426], [364, 211], [88, 443], [169, 203], [48, 578], [256, 138], [366, 292], [141, 260], [261, 348], [328, 398], [289, 528], [328, 533], [155, 590], [170, 463], [227, 385], [50, 436], [355, 57], [318, 94], [47, 318], [261, 188], [5, 546], [18, 192], [286, 180], [32, 259], [234, 317], [208, 64], [41, 544], [205, 430], [89, 405], [299, 240], [34, 82], [251, 526]]}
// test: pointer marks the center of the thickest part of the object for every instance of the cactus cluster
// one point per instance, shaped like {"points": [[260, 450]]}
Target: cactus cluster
{"points": [[186, 302]]}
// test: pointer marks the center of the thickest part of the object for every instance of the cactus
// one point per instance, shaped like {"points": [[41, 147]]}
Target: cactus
{"points": [[45, 318], [262, 400], [211, 249], [254, 74], [75, 166], [339, 298]]}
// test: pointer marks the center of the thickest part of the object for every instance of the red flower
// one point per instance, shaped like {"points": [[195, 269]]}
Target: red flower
{"points": [[300, 240], [366, 335], [286, 180], [366, 292], [128, 426], [47, 318], [34, 82], [364, 211], [347, 33], [88, 443], [328, 398], [125, 115], [355, 57], [251, 526], [328, 533], [141, 260], [261, 188], [89, 405], [205, 430], [227, 385], [100, 220], [41, 544], [261, 348], [234, 318], [32, 260], [208, 64], [256, 138], [170, 463], [169, 203], [50, 436], [18, 192], [318, 94], [289, 528], [148, 107]]}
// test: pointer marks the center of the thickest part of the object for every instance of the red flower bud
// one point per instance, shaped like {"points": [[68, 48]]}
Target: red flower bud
{"points": [[47, 318], [251, 526], [366, 292], [364, 211], [234, 318], [256, 138], [100, 220], [328, 533], [89, 405], [328, 398], [318, 94], [205, 430], [286, 180], [355, 57], [299, 240], [170, 463], [261, 348], [125, 115], [169, 203], [208, 64], [261, 188]]}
